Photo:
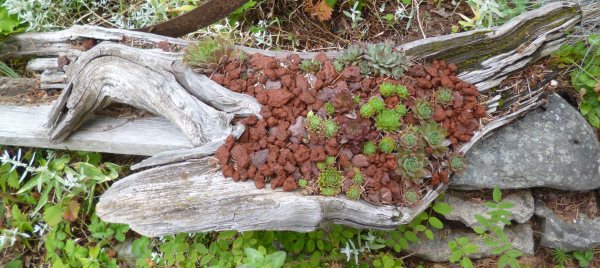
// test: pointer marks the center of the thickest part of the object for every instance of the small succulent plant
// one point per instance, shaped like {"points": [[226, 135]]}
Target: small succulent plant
{"points": [[388, 120], [387, 145], [330, 181], [423, 109], [330, 128], [329, 108], [338, 66], [310, 66], [401, 109], [350, 56], [358, 177], [343, 101], [369, 148], [383, 60], [365, 68], [356, 99], [302, 183], [354, 192], [377, 104], [412, 166], [457, 163], [402, 92], [409, 139], [367, 110], [435, 136], [411, 196], [355, 129], [208, 54], [330, 160], [387, 89], [313, 122], [443, 96]]}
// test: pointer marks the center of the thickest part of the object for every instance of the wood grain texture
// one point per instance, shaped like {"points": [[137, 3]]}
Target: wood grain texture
{"points": [[194, 197], [24, 126]]}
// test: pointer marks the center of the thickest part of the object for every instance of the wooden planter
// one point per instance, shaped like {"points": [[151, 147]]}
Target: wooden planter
{"points": [[183, 189]]}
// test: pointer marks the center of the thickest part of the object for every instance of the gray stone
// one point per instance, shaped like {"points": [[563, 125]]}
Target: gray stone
{"points": [[553, 147], [579, 234], [520, 236], [125, 252], [464, 210]]}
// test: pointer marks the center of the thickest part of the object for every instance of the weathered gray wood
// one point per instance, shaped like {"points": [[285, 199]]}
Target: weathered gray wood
{"points": [[192, 197], [24, 126], [153, 81], [15, 86]]}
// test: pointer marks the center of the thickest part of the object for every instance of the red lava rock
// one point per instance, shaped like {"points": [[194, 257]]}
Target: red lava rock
{"points": [[240, 156], [424, 83], [88, 43], [417, 71], [385, 195], [290, 184], [317, 154], [360, 160], [439, 114], [351, 73], [279, 97]]}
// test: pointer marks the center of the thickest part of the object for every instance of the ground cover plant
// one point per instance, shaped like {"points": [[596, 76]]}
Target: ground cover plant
{"points": [[354, 125]]}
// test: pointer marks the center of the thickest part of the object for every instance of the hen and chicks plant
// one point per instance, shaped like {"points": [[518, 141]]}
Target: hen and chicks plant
{"points": [[208, 54], [443, 96], [384, 60], [330, 181], [310, 66], [413, 165], [328, 128], [435, 136], [423, 109]]}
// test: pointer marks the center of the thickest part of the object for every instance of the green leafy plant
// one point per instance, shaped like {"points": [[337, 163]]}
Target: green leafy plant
{"points": [[369, 148], [358, 177], [461, 247], [387, 89], [423, 109], [384, 60], [350, 56], [457, 163], [208, 54], [435, 136], [388, 120], [443, 96], [584, 258], [585, 78], [412, 165], [259, 258], [377, 104], [9, 23], [367, 110], [387, 144], [313, 122], [330, 181], [401, 109], [310, 66], [353, 192], [330, 128]]}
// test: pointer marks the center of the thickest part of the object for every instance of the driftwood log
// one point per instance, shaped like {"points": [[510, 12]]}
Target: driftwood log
{"points": [[184, 190]]}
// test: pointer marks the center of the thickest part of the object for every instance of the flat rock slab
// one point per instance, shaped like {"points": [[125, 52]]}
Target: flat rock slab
{"points": [[520, 236], [581, 233], [550, 147], [465, 209]]}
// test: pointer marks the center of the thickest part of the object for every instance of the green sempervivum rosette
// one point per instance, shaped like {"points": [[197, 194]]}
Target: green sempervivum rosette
{"points": [[358, 177], [367, 110], [388, 120], [329, 108], [330, 128], [443, 96], [377, 104], [350, 56], [387, 145], [435, 136], [313, 122], [411, 196], [413, 165], [369, 148], [208, 54], [330, 181], [302, 183], [402, 92], [457, 163], [409, 139], [423, 109], [387, 89], [385, 61], [310, 66], [354, 192], [401, 109]]}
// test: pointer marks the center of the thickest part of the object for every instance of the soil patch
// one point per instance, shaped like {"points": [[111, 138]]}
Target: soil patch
{"points": [[568, 204]]}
